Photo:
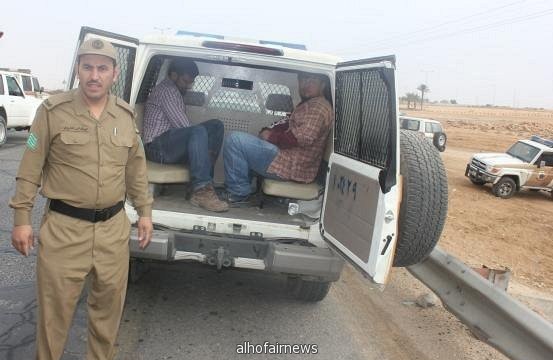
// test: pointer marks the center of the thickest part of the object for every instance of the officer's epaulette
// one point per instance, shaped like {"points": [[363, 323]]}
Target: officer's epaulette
{"points": [[122, 103], [57, 99]]}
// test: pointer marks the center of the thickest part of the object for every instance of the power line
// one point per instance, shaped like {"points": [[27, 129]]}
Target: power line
{"points": [[499, 23], [428, 31], [510, 21], [446, 23]]}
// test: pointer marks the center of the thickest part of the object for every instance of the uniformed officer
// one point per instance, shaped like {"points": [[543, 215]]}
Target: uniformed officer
{"points": [[84, 152]]}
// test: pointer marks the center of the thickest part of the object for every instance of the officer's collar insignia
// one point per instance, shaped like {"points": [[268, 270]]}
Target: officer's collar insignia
{"points": [[97, 44], [32, 142]]}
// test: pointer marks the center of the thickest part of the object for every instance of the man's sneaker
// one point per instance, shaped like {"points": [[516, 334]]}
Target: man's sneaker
{"points": [[235, 201], [207, 198]]}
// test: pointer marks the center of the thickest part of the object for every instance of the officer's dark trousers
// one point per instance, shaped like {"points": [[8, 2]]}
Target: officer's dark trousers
{"points": [[69, 250]]}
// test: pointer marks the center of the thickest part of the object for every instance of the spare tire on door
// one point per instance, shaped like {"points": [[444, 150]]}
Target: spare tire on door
{"points": [[423, 208]]}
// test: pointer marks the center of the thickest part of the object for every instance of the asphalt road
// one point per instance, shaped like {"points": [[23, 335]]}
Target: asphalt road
{"points": [[189, 311]]}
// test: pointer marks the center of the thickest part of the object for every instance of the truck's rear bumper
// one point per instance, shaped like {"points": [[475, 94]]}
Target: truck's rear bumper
{"points": [[259, 254]]}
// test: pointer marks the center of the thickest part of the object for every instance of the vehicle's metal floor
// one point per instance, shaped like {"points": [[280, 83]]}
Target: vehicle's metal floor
{"points": [[173, 198]]}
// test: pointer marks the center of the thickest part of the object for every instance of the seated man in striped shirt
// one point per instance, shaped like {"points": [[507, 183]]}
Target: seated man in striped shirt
{"points": [[291, 149], [170, 139]]}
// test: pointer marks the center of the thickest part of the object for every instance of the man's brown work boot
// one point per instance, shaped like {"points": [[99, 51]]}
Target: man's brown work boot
{"points": [[207, 198]]}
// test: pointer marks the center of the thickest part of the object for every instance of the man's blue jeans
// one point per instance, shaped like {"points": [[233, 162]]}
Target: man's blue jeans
{"points": [[197, 146], [245, 155]]}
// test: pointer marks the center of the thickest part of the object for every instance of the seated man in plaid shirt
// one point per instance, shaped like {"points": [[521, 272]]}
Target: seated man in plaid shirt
{"points": [[291, 149], [170, 139]]}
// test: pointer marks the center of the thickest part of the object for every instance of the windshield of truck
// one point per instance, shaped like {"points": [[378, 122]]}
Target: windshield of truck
{"points": [[523, 151]]}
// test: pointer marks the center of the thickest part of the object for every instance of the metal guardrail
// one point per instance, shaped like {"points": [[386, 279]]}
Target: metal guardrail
{"points": [[490, 313]]}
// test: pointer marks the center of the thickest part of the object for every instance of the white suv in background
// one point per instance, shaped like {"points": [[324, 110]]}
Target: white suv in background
{"points": [[17, 109], [301, 231], [431, 129], [28, 82]]}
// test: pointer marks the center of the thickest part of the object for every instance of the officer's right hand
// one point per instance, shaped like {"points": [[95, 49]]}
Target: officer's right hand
{"points": [[22, 239]]}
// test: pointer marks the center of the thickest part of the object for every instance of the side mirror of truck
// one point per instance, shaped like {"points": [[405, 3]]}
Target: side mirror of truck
{"points": [[41, 90], [541, 164]]}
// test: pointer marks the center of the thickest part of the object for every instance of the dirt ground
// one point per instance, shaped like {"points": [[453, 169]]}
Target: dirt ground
{"points": [[482, 229]]}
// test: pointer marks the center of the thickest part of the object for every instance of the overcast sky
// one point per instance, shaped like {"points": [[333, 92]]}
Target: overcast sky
{"points": [[474, 51]]}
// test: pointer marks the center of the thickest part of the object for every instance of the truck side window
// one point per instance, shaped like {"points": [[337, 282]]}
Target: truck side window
{"points": [[548, 158], [1, 85], [36, 85], [410, 124], [27, 84], [428, 128], [436, 128], [13, 87]]}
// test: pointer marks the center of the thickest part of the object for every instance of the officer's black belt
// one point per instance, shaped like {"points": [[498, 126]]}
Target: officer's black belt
{"points": [[92, 215]]}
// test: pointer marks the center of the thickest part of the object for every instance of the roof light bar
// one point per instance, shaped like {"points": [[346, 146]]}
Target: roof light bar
{"points": [[243, 48], [542, 141]]}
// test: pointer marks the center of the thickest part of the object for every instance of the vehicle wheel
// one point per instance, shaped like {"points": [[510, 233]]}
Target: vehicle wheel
{"points": [[505, 188], [439, 141], [3, 130], [423, 207], [137, 269], [477, 182], [307, 290]]}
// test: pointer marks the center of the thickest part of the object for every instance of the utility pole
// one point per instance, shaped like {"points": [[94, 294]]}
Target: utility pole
{"points": [[426, 72], [162, 29]]}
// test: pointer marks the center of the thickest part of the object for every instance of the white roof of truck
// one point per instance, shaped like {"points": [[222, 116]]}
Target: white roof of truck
{"points": [[538, 145], [196, 42], [420, 119]]}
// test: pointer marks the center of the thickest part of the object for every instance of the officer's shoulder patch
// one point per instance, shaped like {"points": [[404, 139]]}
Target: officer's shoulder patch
{"points": [[32, 142], [122, 103], [57, 99]]}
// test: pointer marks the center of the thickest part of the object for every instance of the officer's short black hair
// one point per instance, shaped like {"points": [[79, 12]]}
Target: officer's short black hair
{"points": [[183, 66]]}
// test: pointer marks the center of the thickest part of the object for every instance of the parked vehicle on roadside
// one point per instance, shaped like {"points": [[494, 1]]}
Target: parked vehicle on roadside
{"points": [[302, 231], [17, 110], [431, 129], [28, 82], [528, 164]]}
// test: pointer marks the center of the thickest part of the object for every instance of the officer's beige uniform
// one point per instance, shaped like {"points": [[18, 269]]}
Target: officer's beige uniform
{"points": [[91, 164]]}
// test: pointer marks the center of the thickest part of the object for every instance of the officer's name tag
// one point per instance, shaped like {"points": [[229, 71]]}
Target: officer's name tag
{"points": [[75, 128]]}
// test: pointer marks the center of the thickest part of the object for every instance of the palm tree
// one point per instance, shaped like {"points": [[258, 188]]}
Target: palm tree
{"points": [[423, 89]]}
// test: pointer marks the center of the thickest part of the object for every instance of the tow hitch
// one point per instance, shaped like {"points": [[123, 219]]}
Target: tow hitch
{"points": [[220, 258]]}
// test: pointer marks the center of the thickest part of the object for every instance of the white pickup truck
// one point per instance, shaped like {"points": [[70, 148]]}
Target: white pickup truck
{"points": [[17, 110], [528, 164], [301, 231]]}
